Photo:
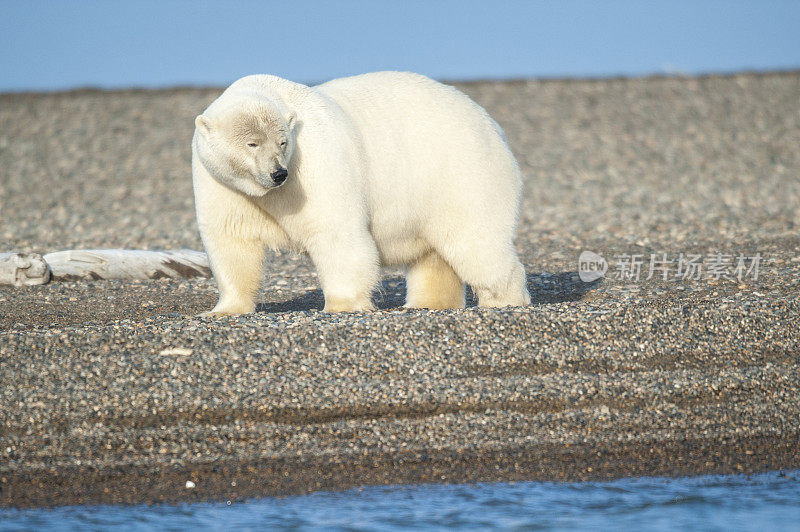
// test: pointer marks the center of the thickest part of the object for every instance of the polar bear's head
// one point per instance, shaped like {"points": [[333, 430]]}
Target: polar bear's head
{"points": [[247, 149]]}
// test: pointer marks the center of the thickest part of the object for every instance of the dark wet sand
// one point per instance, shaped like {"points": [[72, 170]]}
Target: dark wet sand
{"points": [[236, 481]]}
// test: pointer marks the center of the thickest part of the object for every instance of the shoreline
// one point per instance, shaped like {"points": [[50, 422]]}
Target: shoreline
{"points": [[236, 482]]}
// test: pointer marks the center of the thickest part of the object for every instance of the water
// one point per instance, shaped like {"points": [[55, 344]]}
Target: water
{"points": [[768, 501]]}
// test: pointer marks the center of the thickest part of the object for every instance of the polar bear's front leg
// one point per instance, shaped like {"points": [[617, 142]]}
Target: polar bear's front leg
{"points": [[348, 270], [237, 267]]}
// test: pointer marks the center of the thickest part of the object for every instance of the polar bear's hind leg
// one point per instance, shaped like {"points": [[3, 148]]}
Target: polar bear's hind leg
{"points": [[488, 263], [505, 291], [431, 283]]}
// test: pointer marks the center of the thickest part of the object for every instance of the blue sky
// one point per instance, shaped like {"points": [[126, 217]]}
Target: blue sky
{"points": [[50, 45]]}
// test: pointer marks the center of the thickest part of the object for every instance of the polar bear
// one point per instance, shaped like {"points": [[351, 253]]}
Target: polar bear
{"points": [[380, 169]]}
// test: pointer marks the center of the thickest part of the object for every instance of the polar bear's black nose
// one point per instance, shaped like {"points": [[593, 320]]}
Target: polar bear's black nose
{"points": [[279, 176]]}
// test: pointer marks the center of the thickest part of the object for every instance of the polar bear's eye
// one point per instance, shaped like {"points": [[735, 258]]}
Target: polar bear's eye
{"points": [[252, 144], [283, 144]]}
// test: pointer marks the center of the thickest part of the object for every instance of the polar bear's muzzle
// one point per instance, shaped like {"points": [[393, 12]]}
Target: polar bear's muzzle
{"points": [[272, 179], [279, 176]]}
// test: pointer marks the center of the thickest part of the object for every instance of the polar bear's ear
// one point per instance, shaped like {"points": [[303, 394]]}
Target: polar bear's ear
{"points": [[203, 123], [291, 120]]}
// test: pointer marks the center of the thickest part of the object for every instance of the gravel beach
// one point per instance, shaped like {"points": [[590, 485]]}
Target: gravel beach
{"points": [[116, 392]]}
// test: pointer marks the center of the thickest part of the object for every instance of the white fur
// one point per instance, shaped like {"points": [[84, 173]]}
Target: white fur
{"points": [[387, 168]]}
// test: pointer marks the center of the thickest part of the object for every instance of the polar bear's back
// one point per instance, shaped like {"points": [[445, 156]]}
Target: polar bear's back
{"points": [[429, 149], [397, 104], [386, 92]]}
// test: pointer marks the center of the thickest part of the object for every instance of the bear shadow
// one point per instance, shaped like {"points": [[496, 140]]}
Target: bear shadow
{"points": [[544, 288]]}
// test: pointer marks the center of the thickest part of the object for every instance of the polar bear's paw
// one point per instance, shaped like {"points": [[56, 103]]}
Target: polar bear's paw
{"points": [[216, 314], [334, 304], [227, 310], [438, 301]]}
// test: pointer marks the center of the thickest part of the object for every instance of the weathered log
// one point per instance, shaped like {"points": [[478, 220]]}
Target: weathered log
{"points": [[126, 264], [27, 269], [23, 269]]}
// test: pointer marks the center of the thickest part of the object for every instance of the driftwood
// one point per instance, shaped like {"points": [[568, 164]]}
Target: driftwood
{"points": [[92, 264], [23, 269]]}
